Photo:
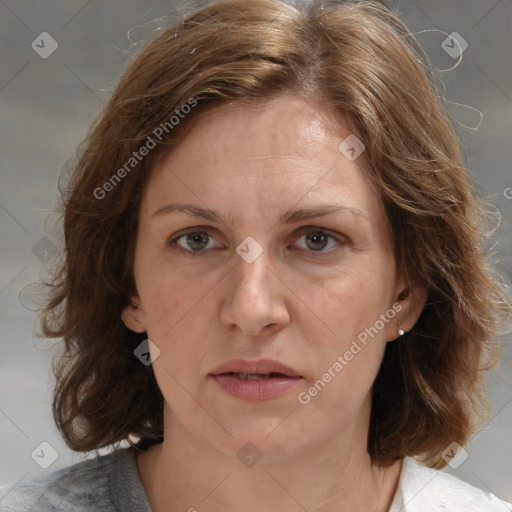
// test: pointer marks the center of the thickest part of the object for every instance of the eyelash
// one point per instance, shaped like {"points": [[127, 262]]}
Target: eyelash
{"points": [[340, 240]]}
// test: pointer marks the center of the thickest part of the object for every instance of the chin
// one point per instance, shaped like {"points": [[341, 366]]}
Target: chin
{"points": [[260, 439]]}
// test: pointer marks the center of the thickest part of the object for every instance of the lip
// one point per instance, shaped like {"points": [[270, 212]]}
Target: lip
{"points": [[254, 390], [259, 366]]}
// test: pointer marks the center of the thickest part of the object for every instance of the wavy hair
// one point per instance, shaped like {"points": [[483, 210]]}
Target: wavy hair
{"points": [[358, 59]]}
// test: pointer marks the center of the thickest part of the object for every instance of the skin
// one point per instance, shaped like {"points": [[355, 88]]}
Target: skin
{"points": [[300, 302]]}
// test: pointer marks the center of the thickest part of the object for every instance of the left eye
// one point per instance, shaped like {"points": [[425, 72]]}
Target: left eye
{"points": [[195, 242], [318, 239]]}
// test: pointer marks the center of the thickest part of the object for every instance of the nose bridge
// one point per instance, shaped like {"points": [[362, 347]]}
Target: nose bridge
{"points": [[255, 298], [252, 266], [251, 276]]}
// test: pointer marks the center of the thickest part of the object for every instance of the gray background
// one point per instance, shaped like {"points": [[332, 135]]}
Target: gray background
{"points": [[48, 104]]}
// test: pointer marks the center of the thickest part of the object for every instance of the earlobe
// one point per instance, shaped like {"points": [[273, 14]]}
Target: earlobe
{"points": [[412, 300], [132, 316]]}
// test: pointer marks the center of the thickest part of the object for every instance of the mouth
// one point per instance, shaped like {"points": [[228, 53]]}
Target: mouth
{"points": [[259, 376], [256, 380], [266, 368]]}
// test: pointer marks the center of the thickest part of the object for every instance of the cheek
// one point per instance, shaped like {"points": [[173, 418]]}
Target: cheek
{"points": [[173, 306], [178, 314], [169, 293], [348, 302], [347, 334], [171, 313]]}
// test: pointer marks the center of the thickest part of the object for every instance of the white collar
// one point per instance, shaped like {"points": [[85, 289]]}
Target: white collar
{"points": [[423, 489]]}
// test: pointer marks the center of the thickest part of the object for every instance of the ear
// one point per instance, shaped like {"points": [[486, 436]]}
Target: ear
{"points": [[410, 299], [133, 315]]}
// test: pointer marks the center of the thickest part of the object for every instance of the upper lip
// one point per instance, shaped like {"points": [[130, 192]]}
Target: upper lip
{"points": [[261, 366]]}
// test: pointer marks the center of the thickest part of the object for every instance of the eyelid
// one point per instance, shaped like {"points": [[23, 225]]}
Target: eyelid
{"points": [[334, 234]]}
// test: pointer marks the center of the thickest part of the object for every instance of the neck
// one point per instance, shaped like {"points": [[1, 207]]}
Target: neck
{"points": [[185, 474]]}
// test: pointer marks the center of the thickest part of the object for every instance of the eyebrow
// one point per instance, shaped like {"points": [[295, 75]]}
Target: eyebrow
{"points": [[289, 217]]}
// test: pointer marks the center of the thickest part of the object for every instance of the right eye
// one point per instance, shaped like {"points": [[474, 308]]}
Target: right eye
{"points": [[193, 242]]}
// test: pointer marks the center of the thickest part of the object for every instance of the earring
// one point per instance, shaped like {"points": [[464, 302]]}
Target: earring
{"points": [[401, 332]]}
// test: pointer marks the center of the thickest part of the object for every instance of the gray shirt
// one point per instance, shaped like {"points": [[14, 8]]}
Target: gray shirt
{"points": [[112, 483], [106, 483]]}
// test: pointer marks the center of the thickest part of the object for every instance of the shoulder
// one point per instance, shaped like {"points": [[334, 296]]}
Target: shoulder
{"points": [[423, 489], [109, 482]]}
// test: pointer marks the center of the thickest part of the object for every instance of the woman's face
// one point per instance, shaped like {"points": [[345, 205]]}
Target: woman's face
{"points": [[247, 280]]}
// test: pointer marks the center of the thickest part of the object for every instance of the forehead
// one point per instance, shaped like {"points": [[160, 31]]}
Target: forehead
{"points": [[286, 126], [271, 157]]}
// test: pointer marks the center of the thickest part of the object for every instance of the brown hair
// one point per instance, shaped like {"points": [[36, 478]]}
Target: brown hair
{"points": [[358, 59]]}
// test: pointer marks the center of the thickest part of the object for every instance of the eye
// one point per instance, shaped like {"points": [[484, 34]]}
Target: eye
{"points": [[317, 239], [193, 242]]}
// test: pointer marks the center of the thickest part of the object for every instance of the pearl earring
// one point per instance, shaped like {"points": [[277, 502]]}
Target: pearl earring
{"points": [[401, 332]]}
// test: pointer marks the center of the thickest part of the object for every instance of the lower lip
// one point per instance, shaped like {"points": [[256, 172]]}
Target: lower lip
{"points": [[261, 389]]}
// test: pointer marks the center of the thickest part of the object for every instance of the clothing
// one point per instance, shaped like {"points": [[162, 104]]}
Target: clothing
{"points": [[112, 483], [423, 489], [106, 483]]}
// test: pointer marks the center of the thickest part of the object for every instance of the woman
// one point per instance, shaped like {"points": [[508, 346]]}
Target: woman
{"points": [[273, 284]]}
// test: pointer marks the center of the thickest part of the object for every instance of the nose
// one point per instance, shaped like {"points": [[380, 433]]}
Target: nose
{"points": [[255, 301]]}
